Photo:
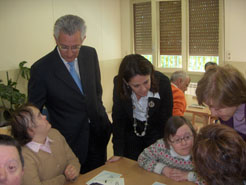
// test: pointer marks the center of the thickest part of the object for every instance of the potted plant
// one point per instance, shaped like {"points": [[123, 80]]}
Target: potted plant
{"points": [[11, 97]]}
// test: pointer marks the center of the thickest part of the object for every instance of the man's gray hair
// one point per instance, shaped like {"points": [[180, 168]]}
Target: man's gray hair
{"points": [[177, 75], [69, 24]]}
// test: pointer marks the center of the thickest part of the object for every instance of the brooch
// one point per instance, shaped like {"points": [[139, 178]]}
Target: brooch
{"points": [[151, 104]]}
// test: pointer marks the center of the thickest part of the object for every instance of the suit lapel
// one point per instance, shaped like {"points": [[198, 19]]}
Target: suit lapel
{"points": [[83, 69], [62, 73]]}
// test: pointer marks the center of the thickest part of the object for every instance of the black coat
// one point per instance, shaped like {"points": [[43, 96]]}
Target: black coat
{"points": [[52, 85], [122, 115]]}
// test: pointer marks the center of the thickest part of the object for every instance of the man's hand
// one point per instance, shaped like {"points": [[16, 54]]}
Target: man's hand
{"points": [[113, 159]]}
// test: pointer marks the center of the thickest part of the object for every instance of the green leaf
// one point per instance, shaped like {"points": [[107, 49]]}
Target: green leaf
{"points": [[9, 93], [24, 71]]}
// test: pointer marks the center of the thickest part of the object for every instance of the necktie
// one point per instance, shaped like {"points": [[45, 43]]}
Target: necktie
{"points": [[75, 75]]}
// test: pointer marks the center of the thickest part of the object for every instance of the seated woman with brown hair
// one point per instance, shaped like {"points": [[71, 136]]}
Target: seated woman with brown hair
{"points": [[219, 155], [48, 158], [171, 155]]}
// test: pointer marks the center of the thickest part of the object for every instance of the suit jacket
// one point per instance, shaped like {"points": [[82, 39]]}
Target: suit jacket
{"points": [[52, 85], [179, 102], [159, 112]]}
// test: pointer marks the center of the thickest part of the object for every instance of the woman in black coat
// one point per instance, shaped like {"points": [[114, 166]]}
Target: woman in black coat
{"points": [[142, 103]]}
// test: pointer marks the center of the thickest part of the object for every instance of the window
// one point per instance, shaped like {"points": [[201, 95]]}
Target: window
{"points": [[203, 33], [142, 28], [187, 33], [170, 34]]}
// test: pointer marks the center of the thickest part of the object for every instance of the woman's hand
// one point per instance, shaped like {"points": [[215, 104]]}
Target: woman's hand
{"points": [[71, 173], [175, 174], [166, 171], [113, 159]]}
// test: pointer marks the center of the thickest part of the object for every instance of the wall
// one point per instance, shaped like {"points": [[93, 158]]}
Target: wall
{"points": [[26, 28], [126, 28], [235, 29]]}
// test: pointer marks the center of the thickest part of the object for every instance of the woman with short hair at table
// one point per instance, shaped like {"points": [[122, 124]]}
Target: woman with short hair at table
{"points": [[223, 89], [219, 155], [142, 103], [171, 155], [48, 158]]}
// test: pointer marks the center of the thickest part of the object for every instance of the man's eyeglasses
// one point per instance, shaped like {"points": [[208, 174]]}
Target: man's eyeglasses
{"points": [[179, 140], [66, 48]]}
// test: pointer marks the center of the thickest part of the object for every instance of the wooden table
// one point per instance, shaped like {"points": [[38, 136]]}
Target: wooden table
{"points": [[131, 172], [205, 112], [6, 130]]}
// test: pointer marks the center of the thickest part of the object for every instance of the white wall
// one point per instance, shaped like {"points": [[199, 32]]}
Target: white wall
{"points": [[235, 30], [26, 27], [26, 33], [126, 29]]}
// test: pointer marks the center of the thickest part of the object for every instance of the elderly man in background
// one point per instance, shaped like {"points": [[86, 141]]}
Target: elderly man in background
{"points": [[179, 83]]}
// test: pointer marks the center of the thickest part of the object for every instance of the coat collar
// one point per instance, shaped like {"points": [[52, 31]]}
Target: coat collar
{"points": [[62, 73]]}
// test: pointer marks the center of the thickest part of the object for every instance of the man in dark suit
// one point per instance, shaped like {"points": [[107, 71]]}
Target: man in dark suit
{"points": [[74, 104]]}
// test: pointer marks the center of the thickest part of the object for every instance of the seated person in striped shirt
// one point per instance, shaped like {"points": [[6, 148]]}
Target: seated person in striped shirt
{"points": [[171, 155], [48, 158]]}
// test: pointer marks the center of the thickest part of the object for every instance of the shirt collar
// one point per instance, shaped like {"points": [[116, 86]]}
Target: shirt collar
{"points": [[34, 146], [149, 95], [174, 154], [174, 85]]}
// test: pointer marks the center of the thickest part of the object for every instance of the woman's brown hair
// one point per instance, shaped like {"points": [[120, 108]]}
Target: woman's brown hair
{"points": [[22, 119], [219, 155], [131, 66], [173, 124], [224, 86]]}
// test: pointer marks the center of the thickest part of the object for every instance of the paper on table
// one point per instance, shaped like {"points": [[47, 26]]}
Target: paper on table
{"points": [[196, 106], [158, 183], [107, 178], [114, 181]]}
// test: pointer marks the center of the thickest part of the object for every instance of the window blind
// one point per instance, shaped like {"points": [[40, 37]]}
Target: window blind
{"points": [[170, 28], [142, 28], [203, 27]]}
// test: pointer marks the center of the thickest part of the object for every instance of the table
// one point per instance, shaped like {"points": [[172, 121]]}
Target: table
{"points": [[205, 112], [131, 172], [6, 130]]}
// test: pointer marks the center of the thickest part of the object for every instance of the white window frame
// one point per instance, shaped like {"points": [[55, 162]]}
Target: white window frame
{"points": [[185, 35]]}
